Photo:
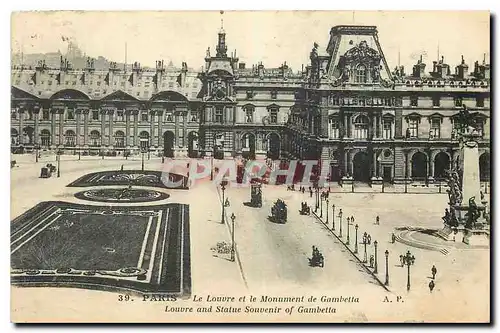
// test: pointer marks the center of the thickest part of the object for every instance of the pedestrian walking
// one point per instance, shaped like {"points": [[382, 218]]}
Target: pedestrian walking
{"points": [[377, 220], [121, 169], [372, 261], [310, 192], [393, 238], [433, 271], [431, 285]]}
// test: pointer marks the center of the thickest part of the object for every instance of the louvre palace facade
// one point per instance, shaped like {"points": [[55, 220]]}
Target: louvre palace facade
{"points": [[346, 108]]}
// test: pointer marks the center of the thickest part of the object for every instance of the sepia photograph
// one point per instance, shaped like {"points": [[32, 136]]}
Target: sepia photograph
{"points": [[250, 167]]}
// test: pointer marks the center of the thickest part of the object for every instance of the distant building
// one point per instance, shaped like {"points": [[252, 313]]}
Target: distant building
{"points": [[346, 109]]}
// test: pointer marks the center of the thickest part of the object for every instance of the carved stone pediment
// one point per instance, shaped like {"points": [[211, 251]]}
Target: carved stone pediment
{"points": [[359, 56]]}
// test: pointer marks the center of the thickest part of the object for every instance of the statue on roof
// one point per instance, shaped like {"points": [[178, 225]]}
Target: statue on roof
{"points": [[314, 51], [465, 120]]}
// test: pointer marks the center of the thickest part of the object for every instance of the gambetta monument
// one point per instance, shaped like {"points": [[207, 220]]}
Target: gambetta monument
{"points": [[466, 217]]}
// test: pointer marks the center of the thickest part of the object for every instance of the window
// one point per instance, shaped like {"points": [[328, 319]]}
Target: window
{"points": [[387, 129], [219, 111], [45, 115], [412, 131], [144, 138], [13, 114], [119, 139], [435, 132], [45, 138], [120, 115], [95, 115], [194, 116], [144, 116], [360, 74], [30, 115], [249, 111], [361, 127], [480, 102], [95, 138], [273, 116], [71, 115], [413, 101], [70, 138], [169, 117], [274, 94], [436, 101], [333, 128], [458, 101]]}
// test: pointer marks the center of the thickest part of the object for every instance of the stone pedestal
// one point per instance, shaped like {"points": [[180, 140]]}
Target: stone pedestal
{"points": [[469, 162]]}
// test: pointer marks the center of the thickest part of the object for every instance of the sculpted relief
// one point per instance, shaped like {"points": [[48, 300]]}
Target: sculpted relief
{"points": [[360, 64]]}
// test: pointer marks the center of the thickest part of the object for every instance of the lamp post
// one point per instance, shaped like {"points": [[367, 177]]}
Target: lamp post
{"points": [[333, 217], [223, 188], [58, 163], [365, 240], [36, 152], [327, 202], [321, 210], [232, 236], [340, 221], [348, 228], [408, 260], [356, 239], [316, 188], [142, 163], [375, 243], [386, 267]]}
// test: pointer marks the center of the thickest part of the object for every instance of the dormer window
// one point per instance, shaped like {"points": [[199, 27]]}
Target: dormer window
{"points": [[360, 74]]}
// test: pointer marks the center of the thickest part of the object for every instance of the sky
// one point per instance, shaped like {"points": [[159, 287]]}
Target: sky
{"points": [[272, 37]]}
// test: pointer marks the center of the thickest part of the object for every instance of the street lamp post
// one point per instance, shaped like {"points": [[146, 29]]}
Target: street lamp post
{"points": [[142, 161], [333, 217], [356, 239], [348, 228], [317, 199], [58, 163], [365, 240], [340, 221], [408, 260], [321, 210], [232, 237], [36, 152], [223, 188], [327, 202], [386, 267], [375, 243]]}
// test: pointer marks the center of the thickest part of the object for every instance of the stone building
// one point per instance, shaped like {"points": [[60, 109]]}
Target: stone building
{"points": [[346, 109]]}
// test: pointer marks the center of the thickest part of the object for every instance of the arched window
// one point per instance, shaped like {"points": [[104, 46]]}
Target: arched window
{"points": [[119, 139], [95, 138], [14, 136], [361, 127], [45, 138], [360, 75], [333, 128], [70, 138]]}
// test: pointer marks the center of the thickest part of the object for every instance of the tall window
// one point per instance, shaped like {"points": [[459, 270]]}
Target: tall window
{"points": [[169, 118], [119, 139], [436, 101], [70, 138], [249, 111], [194, 116], [120, 115], [361, 127], [71, 114], [144, 115], [435, 132], [144, 138], [273, 116], [95, 115], [413, 128], [45, 138], [45, 115], [219, 114], [360, 76], [387, 128], [95, 138], [333, 128]]}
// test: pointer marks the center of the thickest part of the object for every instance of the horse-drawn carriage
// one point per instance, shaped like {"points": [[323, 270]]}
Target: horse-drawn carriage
{"points": [[47, 171], [279, 211], [305, 209], [317, 259]]}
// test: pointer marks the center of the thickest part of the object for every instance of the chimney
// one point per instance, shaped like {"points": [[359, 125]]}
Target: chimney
{"points": [[462, 69], [419, 68]]}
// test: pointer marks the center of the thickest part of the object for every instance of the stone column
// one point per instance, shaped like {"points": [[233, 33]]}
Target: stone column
{"points": [[151, 129], [380, 133], [86, 127], [324, 123], [78, 116], [136, 131], [176, 129], [53, 126], [103, 128], [127, 127], [160, 128], [111, 136], [469, 157], [61, 125], [37, 126], [408, 165], [374, 168], [431, 165], [184, 126], [21, 125]]}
